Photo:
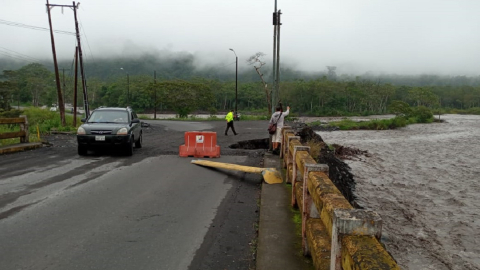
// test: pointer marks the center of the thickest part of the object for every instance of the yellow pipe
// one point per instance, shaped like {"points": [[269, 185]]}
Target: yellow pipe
{"points": [[270, 175]]}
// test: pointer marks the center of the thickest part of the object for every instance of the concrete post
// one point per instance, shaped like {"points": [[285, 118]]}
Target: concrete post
{"points": [[352, 222], [309, 209], [294, 173], [289, 155], [285, 129]]}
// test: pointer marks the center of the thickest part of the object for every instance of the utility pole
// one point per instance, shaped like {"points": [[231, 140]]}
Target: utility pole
{"points": [[57, 76], [155, 94], [235, 115], [236, 87], [128, 90], [277, 85], [82, 70], [274, 77], [75, 89], [64, 87]]}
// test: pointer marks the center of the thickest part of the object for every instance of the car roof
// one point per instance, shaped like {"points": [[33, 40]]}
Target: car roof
{"points": [[112, 109]]}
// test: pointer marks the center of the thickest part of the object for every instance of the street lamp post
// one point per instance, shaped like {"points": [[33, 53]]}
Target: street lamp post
{"points": [[128, 87], [236, 84]]}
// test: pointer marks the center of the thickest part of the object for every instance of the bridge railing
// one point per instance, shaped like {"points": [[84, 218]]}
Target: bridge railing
{"points": [[334, 234]]}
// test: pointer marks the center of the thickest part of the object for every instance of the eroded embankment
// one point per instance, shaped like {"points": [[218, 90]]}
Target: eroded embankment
{"points": [[340, 172]]}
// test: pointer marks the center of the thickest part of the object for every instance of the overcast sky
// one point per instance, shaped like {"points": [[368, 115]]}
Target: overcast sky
{"points": [[357, 36]]}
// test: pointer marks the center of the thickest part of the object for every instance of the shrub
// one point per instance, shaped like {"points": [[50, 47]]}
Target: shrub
{"points": [[474, 110], [14, 113], [383, 124], [212, 111], [183, 112], [398, 122], [422, 114], [400, 108], [47, 120]]}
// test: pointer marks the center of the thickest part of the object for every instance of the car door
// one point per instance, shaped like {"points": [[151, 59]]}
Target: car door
{"points": [[136, 127]]}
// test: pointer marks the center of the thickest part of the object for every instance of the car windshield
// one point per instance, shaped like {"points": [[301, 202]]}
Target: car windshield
{"points": [[108, 117]]}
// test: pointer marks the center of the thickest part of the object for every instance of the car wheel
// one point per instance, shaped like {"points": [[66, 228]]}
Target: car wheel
{"points": [[82, 150], [138, 143], [129, 148]]}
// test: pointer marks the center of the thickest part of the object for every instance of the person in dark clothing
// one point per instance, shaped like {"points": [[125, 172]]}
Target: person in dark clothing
{"points": [[229, 119]]}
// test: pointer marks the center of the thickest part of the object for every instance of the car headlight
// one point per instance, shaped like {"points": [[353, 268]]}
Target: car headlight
{"points": [[81, 131], [122, 131]]}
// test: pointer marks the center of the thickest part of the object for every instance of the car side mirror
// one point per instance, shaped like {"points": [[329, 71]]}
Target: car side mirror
{"points": [[135, 121], [83, 120]]}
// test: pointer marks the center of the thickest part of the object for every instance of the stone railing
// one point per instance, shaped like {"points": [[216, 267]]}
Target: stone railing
{"points": [[334, 234]]}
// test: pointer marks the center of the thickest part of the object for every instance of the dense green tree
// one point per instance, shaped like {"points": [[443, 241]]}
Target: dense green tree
{"points": [[212, 89], [6, 91], [185, 97], [35, 84], [423, 96]]}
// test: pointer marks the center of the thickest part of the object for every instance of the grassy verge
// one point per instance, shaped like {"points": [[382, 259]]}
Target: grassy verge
{"points": [[40, 122], [376, 124]]}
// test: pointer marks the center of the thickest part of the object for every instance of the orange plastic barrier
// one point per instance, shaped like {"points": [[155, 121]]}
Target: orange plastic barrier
{"points": [[200, 144]]}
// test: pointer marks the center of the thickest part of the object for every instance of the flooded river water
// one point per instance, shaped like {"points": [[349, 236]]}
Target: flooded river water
{"points": [[424, 180]]}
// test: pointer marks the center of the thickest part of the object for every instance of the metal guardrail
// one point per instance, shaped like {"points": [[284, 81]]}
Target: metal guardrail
{"points": [[334, 234]]}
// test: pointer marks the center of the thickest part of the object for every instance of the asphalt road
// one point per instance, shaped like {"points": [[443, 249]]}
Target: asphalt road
{"points": [[154, 210]]}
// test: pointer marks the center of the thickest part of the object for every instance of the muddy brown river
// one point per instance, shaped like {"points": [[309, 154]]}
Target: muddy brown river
{"points": [[424, 180]]}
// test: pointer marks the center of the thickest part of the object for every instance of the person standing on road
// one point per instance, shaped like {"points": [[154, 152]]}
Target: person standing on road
{"points": [[278, 117], [229, 119]]}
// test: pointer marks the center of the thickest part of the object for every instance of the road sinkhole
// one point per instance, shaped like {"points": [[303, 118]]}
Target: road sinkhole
{"points": [[251, 144]]}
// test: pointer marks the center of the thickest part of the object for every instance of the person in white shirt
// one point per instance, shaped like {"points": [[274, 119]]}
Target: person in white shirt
{"points": [[278, 117]]}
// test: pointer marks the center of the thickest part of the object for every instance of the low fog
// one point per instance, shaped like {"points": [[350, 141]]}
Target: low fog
{"points": [[376, 37]]}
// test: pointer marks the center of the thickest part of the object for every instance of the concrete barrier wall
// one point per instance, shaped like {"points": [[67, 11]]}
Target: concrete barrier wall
{"points": [[334, 234]]}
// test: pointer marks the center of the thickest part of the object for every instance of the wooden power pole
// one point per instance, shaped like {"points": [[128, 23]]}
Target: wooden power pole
{"points": [[75, 89], [82, 70], [61, 104]]}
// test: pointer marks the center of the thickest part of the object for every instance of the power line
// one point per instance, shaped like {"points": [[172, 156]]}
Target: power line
{"points": [[14, 57], [88, 43], [35, 27], [20, 54], [17, 57]]}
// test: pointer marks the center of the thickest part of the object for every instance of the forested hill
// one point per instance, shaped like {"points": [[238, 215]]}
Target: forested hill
{"points": [[182, 66]]}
